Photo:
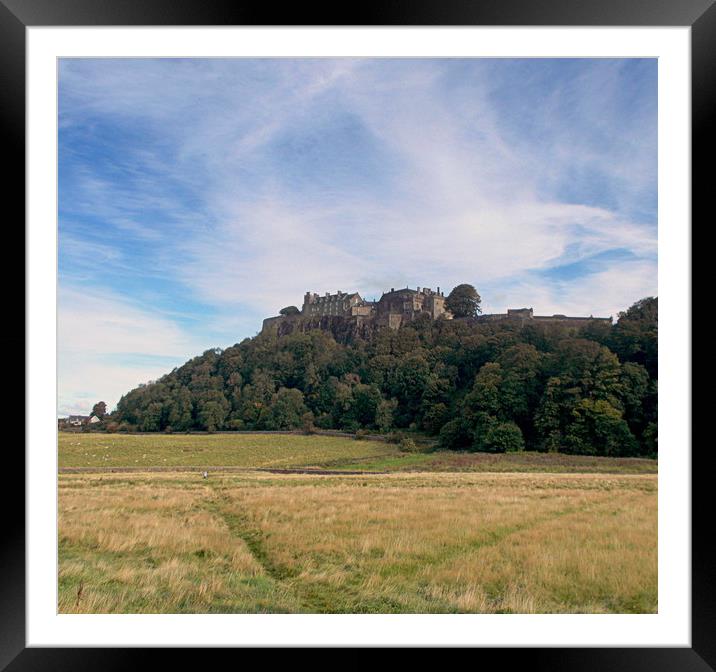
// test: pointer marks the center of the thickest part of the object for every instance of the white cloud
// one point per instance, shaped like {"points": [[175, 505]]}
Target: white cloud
{"points": [[602, 294], [455, 195], [463, 209], [106, 346]]}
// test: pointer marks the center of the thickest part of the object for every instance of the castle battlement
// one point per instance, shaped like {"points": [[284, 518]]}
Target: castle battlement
{"points": [[527, 316]]}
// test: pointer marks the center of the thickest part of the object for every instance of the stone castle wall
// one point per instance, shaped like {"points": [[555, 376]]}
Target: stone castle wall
{"points": [[394, 309]]}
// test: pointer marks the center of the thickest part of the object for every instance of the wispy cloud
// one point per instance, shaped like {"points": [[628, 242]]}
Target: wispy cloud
{"points": [[217, 191], [107, 345]]}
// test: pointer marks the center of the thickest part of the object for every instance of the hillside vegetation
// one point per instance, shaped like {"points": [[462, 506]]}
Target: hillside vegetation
{"points": [[476, 386]]}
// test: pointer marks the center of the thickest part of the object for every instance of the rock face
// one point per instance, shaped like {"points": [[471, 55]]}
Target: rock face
{"points": [[343, 329]]}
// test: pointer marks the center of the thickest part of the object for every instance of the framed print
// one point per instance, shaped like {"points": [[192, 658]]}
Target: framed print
{"points": [[244, 455]]}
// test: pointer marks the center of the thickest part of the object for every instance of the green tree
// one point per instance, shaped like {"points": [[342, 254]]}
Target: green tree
{"points": [[152, 418], [635, 386], [434, 417], [213, 410], [502, 437], [463, 301], [179, 409], [550, 418], [99, 410], [384, 414], [456, 435], [650, 439], [484, 398], [591, 369], [460, 379], [634, 338], [287, 410], [289, 310], [598, 428]]}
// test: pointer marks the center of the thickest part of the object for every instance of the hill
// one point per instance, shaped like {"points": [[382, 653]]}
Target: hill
{"points": [[476, 385]]}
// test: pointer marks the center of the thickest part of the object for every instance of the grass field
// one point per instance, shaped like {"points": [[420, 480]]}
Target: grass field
{"points": [[410, 541], [295, 450], [228, 450]]}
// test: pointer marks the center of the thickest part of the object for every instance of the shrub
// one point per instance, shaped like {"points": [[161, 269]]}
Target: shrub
{"points": [[362, 434], [503, 437], [408, 446], [395, 437], [455, 435]]}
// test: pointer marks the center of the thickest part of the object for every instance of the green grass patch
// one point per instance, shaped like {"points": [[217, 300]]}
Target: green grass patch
{"points": [[208, 450]]}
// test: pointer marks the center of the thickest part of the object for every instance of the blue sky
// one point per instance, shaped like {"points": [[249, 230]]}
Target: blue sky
{"points": [[197, 197]]}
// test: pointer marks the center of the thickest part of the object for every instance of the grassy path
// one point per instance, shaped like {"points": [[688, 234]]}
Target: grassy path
{"points": [[311, 598]]}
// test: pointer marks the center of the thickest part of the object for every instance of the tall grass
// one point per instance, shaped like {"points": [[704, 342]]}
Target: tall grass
{"points": [[407, 543]]}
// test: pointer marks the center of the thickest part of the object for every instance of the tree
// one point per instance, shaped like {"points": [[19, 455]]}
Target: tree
{"points": [[212, 415], [590, 390], [179, 413], [634, 390], [384, 414], [152, 418], [435, 417], [634, 337], [503, 437], [456, 434], [366, 399], [485, 395], [598, 428], [99, 410], [287, 410], [463, 301], [549, 420], [289, 310]]}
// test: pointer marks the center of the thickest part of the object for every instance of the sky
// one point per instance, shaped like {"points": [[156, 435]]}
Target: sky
{"points": [[198, 196]]}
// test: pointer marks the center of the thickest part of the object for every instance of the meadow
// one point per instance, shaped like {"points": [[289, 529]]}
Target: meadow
{"points": [[413, 540], [227, 450], [284, 451]]}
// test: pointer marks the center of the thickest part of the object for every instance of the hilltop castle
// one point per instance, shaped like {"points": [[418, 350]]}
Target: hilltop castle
{"points": [[394, 308], [397, 307]]}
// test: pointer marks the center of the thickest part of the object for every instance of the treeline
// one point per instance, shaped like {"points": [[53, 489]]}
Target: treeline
{"points": [[477, 386]]}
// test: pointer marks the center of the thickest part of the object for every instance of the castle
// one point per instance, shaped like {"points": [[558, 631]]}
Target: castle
{"points": [[400, 306]]}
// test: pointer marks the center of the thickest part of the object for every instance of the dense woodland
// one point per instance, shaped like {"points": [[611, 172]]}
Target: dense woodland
{"points": [[474, 385]]}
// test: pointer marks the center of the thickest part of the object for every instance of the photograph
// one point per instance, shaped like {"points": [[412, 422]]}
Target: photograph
{"points": [[357, 335]]}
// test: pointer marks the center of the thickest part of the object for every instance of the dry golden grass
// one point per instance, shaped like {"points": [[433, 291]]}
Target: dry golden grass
{"points": [[409, 543]]}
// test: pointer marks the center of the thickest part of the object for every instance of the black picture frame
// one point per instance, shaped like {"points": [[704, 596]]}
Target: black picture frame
{"points": [[16, 15]]}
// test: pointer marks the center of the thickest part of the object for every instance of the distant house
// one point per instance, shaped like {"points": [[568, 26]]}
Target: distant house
{"points": [[78, 420], [94, 420]]}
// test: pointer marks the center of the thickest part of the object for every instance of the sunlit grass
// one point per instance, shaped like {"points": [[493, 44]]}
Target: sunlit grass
{"points": [[295, 451], [403, 542], [238, 450]]}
